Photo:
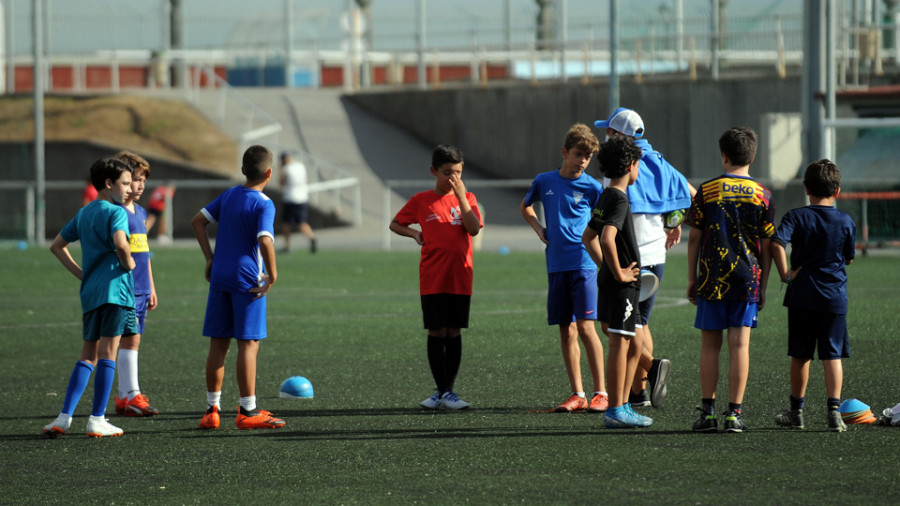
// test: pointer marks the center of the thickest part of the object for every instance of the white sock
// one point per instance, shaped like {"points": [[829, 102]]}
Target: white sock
{"points": [[598, 392], [127, 365], [249, 402], [579, 394], [213, 398]]}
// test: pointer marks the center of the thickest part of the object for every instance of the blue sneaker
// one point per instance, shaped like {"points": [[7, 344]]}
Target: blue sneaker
{"points": [[619, 418], [433, 402], [639, 419], [452, 401]]}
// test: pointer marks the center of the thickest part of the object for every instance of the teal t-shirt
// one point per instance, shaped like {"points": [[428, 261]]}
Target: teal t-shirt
{"points": [[103, 280]]}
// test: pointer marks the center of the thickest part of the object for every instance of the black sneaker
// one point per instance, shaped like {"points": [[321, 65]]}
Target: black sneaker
{"points": [[706, 423], [734, 422], [313, 245], [657, 377], [640, 399], [835, 423], [792, 418]]}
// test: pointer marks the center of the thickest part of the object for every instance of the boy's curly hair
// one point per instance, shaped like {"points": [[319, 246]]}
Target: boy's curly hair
{"points": [[616, 155]]}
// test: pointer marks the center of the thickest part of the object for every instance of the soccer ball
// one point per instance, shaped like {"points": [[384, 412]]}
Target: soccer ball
{"points": [[296, 387]]}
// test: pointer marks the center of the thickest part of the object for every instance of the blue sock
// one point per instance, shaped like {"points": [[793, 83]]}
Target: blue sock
{"points": [[103, 381], [77, 383]]}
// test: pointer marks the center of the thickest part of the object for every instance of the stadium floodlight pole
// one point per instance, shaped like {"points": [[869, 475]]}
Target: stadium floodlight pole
{"points": [[507, 17], [813, 117], [420, 43], [828, 134], [38, 78], [288, 43], [3, 56], [714, 40], [563, 40], [679, 32], [613, 55]]}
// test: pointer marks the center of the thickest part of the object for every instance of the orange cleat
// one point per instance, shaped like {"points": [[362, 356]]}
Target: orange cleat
{"points": [[121, 402], [139, 406], [210, 419], [257, 419], [573, 403], [599, 403]]}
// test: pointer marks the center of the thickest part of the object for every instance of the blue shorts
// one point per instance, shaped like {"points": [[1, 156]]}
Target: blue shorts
{"points": [[724, 314], [647, 305], [809, 330], [140, 311], [445, 311], [572, 295], [619, 308], [108, 320], [237, 315]]}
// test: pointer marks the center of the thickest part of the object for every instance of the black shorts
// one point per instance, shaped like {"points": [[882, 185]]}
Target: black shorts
{"points": [[618, 307], [295, 214], [446, 310], [810, 331]]}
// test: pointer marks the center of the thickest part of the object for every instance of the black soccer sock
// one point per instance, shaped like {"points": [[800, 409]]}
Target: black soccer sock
{"points": [[453, 346], [709, 406], [797, 403], [734, 406], [436, 360], [833, 404]]}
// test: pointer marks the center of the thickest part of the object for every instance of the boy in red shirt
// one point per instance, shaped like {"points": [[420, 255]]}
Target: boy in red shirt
{"points": [[448, 217]]}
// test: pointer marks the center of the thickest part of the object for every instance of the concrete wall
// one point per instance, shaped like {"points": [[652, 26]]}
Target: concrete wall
{"points": [[516, 131]]}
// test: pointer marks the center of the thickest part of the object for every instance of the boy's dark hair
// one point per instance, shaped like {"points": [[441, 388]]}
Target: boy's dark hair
{"points": [[616, 155], [580, 136], [738, 144], [256, 161], [139, 166], [107, 168], [822, 178], [445, 153]]}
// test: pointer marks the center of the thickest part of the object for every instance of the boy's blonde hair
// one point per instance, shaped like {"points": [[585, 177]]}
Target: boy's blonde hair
{"points": [[580, 136], [140, 166]]}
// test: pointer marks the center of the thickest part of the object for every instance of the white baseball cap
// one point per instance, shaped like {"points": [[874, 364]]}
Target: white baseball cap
{"points": [[624, 120]]}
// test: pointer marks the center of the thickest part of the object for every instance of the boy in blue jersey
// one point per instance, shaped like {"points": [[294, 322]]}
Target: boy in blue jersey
{"points": [[107, 292], [822, 246], [567, 195], [238, 283], [731, 224], [609, 239], [130, 401]]}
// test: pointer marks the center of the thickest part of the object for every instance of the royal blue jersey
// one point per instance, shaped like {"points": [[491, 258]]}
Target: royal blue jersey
{"points": [[823, 240], [103, 280], [567, 209], [244, 215], [140, 248]]}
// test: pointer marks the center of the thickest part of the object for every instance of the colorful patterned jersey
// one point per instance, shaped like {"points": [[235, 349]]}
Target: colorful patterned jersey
{"points": [[734, 214]]}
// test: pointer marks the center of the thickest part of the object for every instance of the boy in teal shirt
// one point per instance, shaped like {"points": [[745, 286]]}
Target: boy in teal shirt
{"points": [[107, 292]]}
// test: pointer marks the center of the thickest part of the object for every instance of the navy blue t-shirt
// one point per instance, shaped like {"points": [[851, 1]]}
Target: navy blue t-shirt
{"points": [[822, 242]]}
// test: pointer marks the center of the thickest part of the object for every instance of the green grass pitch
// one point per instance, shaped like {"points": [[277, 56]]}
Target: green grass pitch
{"points": [[351, 323]]}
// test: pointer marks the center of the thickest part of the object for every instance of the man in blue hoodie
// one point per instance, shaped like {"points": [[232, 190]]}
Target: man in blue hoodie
{"points": [[658, 199]]}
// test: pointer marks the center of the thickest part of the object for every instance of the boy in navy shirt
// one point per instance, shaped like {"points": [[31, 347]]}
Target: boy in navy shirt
{"points": [[822, 245]]}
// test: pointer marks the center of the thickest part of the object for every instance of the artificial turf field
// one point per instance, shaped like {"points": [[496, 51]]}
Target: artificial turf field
{"points": [[351, 323]]}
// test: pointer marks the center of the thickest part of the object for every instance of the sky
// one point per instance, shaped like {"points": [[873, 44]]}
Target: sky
{"points": [[82, 26]]}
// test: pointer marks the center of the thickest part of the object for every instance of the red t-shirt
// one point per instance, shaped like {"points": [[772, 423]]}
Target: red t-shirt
{"points": [[446, 264]]}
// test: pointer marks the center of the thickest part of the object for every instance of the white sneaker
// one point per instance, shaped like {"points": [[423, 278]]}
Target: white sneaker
{"points": [[450, 401], [99, 426], [59, 426], [433, 402]]}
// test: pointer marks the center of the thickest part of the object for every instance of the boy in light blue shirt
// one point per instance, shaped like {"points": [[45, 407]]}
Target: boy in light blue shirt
{"points": [[107, 292]]}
